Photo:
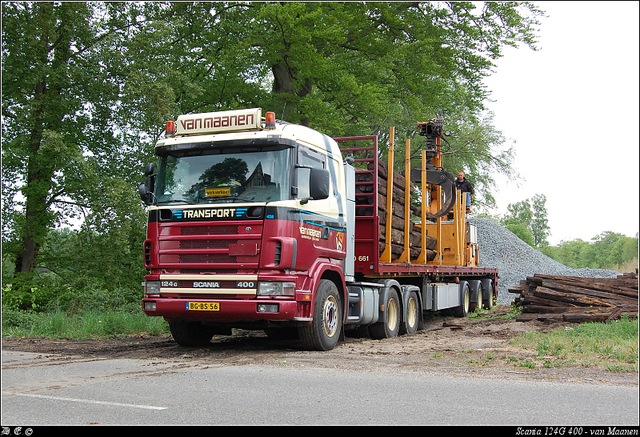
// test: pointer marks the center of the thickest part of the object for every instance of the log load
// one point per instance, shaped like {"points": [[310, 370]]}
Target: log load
{"points": [[552, 298], [364, 196]]}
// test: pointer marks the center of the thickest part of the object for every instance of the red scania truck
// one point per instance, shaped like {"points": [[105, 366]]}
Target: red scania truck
{"points": [[255, 223]]}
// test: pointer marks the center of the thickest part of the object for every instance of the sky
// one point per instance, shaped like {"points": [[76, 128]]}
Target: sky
{"points": [[572, 109]]}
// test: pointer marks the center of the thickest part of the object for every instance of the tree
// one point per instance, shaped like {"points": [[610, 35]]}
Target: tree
{"points": [[522, 232], [530, 214], [539, 223], [65, 156], [40, 98]]}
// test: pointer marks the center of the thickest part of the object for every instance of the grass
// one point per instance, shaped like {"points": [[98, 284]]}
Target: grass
{"points": [[611, 346], [87, 325]]}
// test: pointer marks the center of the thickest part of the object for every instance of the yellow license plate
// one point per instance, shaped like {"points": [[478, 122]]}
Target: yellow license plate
{"points": [[203, 306]]}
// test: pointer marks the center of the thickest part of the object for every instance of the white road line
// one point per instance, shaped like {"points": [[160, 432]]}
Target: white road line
{"points": [[87, 401]]}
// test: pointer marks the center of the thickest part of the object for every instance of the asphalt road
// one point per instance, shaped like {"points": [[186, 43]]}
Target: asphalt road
{"points": [[42, 389]]}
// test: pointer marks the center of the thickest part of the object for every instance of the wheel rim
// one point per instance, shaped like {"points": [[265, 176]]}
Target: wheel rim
{"points": [[330, 316], [392, 314], [412, 312], [466, 302]]}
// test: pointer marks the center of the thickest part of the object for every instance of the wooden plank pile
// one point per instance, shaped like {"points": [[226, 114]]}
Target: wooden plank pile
{"points": [[552, 298], [397, 217]]}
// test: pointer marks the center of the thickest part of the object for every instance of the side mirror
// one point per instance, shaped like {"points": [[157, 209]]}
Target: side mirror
{"points": [[319, 183], [145, 194], [149, 169], [146, 189]]}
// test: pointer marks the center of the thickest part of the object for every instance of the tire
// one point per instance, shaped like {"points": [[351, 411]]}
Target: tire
{"points": [[487, 293], [390, 324], [190, 334], [325, 329], [465, 296], [412, 320], [475, 287]]}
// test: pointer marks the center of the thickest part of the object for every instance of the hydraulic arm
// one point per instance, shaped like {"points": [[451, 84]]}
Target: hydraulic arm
{"points": [[432, 130]]}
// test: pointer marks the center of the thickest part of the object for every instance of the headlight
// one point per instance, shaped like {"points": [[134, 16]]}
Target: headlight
{"points": [[152, 287], [276, 288]]}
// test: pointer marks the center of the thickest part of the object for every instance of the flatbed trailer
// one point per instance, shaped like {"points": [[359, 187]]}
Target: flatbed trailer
{"points": [[460, 284]]}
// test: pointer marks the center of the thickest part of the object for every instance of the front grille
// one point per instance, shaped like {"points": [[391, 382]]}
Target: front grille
{"points": [[205, 246], [204, 258]]}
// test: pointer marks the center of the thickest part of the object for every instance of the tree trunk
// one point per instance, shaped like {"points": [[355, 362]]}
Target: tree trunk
{"points": [[283, 83], [38, 184]]}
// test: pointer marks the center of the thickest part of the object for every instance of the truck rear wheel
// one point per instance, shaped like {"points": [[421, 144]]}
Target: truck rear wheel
{"points": [[487, 293], [390, 324], [475, 287], [324, 332], [410, 325], [465, 301], [190, 334]]}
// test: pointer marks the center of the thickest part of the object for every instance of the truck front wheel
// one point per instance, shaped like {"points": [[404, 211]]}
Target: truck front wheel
{"points": [[190, 334], [324, 332]]}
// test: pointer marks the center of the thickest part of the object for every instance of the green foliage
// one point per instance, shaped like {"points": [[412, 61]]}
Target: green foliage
{"points": [[528, 220], [521, 231], [606, 250]]}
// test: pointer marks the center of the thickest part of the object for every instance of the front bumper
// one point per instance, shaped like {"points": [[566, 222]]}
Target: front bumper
{"points": [[228, 310]]}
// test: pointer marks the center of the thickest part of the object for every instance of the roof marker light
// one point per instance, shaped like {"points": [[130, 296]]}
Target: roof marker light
{"points": [[170, 128], [270, 120]]}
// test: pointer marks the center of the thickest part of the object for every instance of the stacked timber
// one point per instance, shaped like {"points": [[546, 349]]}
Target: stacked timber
{"points": [[398, 231], [573, 299]]}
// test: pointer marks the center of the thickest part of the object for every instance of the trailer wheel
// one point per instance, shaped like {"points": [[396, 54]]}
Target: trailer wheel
{"points": [[465, 297], [475, 287], [390, 324], [487, 293], [410, 325], [190, 334], [324, 332]]}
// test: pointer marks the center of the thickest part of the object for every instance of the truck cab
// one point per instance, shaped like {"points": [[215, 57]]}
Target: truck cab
{"points": [[246, 216]]}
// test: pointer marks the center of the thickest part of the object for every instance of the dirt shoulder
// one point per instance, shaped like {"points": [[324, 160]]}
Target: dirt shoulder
{"points": [[453, 346]]}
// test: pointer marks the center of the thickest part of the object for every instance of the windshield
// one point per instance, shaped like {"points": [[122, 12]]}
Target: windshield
{"points": [[256, 176]]}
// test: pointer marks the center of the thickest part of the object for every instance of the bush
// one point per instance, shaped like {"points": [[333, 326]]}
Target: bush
{"points": [[47, 292], [28, 293]]}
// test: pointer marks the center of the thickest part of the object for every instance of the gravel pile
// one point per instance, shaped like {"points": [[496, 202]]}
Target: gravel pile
{"points": [[515, 259]]}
